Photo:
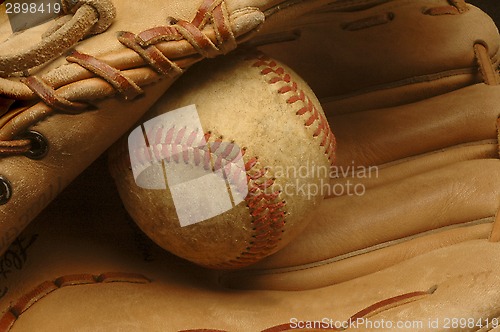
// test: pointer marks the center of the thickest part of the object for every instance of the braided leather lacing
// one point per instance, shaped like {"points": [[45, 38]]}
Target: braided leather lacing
{"points": [[155, 58], [144, 61]]}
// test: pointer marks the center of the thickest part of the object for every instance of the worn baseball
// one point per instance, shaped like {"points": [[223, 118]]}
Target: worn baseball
{"points": [[229, 166]]}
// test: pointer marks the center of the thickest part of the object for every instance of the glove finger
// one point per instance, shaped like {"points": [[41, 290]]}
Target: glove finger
{"points": [[386, 55], [367, 177], [141, 53], [63, 278], [459, 118], [360, 233]]}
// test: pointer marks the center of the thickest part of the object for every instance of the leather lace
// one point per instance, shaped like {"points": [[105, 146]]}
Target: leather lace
{"points": [[85, 17], [9, 318], [209, 34]]}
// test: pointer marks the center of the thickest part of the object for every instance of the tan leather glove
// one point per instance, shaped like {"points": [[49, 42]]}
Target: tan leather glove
{"points": [[416, 248], [411, 177], [97, 272], [72, 86]]}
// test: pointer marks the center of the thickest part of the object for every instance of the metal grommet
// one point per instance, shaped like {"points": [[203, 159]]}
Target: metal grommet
{"points": [[5, 190], [39, 145]]}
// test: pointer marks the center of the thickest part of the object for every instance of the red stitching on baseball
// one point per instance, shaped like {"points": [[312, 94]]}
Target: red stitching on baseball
{"points": [[299, 96], [267, 211], [24, 303], [265, 206]]}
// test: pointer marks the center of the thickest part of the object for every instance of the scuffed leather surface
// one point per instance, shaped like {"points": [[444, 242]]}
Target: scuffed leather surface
{"points": [[410, 57], [435, 181], [425, 224], [182, 296], [76, 141]]}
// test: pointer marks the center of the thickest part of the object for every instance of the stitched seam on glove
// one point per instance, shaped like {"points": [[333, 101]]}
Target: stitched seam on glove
{"points": [[486, 220], [31, 115], [372, 310], [8, 319]]}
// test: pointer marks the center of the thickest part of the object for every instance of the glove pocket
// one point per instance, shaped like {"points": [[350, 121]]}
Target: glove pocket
{"points": [[357, 235]]}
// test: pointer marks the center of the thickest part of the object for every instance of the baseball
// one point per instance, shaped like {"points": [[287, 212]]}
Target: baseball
{"points": [[229, 166]]}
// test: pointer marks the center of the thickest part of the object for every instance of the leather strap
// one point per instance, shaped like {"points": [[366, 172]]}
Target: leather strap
{"points": [[83, 23]]}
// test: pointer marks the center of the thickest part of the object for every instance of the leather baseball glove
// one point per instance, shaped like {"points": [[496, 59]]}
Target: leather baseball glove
{"points": [[71, 86], [406, 240]]}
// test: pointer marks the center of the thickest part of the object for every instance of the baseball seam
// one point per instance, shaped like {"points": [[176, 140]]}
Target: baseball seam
{"points": [[264, 204], [24, 303], [313, 117], [177, 145], [266, 208]]}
